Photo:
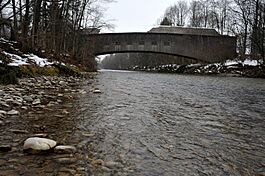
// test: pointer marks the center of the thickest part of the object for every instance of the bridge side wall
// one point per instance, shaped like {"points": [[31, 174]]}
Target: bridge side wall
{"points": [[204, 48]]}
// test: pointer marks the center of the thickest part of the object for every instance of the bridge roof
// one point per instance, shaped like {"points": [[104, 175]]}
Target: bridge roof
{"points": [[184, 30]]}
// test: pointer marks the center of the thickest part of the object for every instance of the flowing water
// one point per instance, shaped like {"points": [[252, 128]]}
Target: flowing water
{"points": [[166, 124], [149, 125]]}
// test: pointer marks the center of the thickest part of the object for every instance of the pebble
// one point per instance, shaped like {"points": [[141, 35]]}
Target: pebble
{"points": [[13, 112], [96, 91], [66, 160], [60, 95], [36, 102], [24, 108], [112, 164], [88, 134], [28, 98], [39, 144], [63, 83], [64, 149], [3, 112], [4, 104]]}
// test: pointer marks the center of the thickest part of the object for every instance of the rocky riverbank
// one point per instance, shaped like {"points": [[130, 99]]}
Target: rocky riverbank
{"points": [[247, 68], [39, 107]]}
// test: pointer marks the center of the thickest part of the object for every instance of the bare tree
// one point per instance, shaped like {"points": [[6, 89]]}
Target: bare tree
{"points": [[177, 13]]}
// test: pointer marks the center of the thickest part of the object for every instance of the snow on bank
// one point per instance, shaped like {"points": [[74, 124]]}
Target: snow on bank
{"points": [[16, 60], [42, 62], [251, 62], [2, 40], [246, 62], [27, 59]]}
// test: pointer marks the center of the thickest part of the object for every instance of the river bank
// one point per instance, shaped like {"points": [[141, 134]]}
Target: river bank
{"points": [[39, 107], [232, 68]]}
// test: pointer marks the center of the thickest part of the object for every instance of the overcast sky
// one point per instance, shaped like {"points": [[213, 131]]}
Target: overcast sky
{"points": [[136, 15]]}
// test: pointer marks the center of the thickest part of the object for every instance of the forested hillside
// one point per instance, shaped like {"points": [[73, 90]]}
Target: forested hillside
{"points": [[53, 27]]}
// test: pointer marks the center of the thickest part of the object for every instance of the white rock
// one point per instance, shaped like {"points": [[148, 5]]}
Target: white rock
{"points": [[3, 112], [13, 112], [64, 149], [39, 144], [97, 91], [36, 102]]}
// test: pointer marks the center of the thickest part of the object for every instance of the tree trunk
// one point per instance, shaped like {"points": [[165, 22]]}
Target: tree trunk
{"points": [[36, 20], [14, 37], [25, 28]]}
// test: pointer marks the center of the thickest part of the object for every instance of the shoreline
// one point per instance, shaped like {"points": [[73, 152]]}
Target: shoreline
{"points": [[45, 107]]}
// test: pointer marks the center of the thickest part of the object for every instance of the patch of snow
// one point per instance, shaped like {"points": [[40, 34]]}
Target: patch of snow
{"points": [[245, 62], [231, 62], [251, 62], [2, 40], [194, 65], [38, 60], [16, 60], [1, 62]]}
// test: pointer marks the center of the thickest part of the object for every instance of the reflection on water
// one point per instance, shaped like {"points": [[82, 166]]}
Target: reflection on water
{"points": [[160, 124]]}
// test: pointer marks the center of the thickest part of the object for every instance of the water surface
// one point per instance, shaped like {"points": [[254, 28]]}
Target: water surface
{"points": [[167, 124]]}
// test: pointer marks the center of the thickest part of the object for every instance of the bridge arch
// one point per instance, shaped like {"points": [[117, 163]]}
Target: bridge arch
{"points": [[149, 52]]}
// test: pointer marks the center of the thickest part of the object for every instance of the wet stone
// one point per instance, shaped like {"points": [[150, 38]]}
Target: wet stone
{"points": [[36, 102], [3, 112], [28, 98], [13, 112], [24, 108], [65, 160], [64, 149], [4, 104]]}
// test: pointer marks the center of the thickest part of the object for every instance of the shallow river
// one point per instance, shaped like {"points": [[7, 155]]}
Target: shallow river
{"points": [[148, 125], [163, 124]]}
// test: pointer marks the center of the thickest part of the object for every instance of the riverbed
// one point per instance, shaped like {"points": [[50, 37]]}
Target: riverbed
{"points": [[154, 124]]}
